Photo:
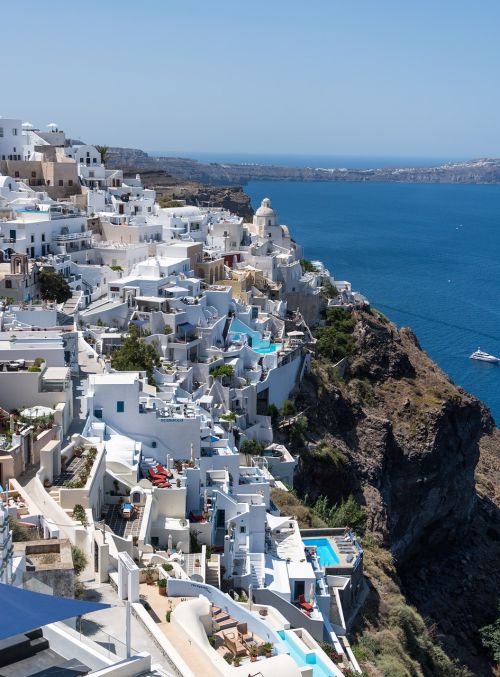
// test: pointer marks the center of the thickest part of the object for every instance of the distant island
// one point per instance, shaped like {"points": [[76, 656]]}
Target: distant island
{"points": [[485, 171]]}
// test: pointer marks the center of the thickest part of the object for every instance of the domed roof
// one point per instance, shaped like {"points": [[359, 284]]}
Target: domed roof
{"points": [[265, 208]]}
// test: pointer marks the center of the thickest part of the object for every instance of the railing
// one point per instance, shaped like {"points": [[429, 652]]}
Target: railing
{"points": [[73, 236]]}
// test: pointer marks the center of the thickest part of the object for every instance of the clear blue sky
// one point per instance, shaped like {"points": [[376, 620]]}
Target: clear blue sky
{"points": [[344, 77]]}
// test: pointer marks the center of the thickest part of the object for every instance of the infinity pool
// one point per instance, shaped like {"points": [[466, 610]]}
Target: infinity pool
{"points": [[326, 554], [302, 659]]}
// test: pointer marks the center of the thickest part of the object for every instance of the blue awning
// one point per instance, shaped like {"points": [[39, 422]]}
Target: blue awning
{"points": [[23, 610], [139, 323], [186, 327]]}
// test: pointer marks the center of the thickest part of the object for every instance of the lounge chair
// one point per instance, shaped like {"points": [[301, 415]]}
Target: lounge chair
{"points": [[305, 605], [234, 644]]}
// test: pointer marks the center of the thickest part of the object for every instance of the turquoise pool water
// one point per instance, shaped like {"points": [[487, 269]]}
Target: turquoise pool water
{"points": [[265, 350], [302, 659], [326, 554], [255, 338]]}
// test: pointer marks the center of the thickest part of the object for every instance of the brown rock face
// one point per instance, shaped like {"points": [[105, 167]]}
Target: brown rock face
{"points": [[411, 444]]}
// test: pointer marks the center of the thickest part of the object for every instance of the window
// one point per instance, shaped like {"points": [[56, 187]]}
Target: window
{"points": [[120, 406], [8, 284], [1, 134], [32, 238], [81, 159], [242, 530], [14, 131], [33, 175], [91, 175], [70, 182], [61, 183], [16, 175], [43, 237], [94, 160], [98, 413]]}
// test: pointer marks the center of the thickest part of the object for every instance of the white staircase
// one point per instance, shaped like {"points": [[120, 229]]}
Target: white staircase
{"points": [[257, 569]]}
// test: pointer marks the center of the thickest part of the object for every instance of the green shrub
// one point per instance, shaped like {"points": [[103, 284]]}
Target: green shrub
{"points": [[79, 514], [252, 447], [34, 369], [273, 412], [335, 340], [348, 513], [287, 408], [19, 531], [307, 266], [490, 638], [80, 560], [222, 370]]}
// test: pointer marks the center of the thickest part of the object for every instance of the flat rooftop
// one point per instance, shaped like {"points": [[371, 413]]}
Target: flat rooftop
{"points": [[118, 378]]}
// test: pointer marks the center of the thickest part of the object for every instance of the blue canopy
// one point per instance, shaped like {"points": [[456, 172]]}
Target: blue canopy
{"points": [[23, 610], [139, 323]]}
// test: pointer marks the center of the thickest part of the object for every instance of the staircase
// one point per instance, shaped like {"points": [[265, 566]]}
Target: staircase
{"points": [[212, 573], [69, 307], [257, 570]]}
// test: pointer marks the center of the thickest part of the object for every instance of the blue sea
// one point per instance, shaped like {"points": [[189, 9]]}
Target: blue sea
{"points": [[428, 256]]}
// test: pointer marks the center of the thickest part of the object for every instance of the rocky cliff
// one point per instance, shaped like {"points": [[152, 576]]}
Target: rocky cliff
{"points": [[215, 173], [406, 442]]}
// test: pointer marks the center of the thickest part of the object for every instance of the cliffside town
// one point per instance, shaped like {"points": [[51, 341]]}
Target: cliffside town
{"points": [[264, 467]]}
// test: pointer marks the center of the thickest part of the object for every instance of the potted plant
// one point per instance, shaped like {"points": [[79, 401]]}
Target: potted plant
{"points": [[263, 611], [268, 649], [47, 484], [178, 483], [150, 574], [212, 640], [254, 652], [237, 661], [78, 451], [197, 562], [162, 586], [167, 615]]}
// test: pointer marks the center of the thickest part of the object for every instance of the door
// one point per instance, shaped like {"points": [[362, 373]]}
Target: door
{"points": [[299, 589]]}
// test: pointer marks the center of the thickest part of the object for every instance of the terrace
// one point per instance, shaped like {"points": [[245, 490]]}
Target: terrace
{"points": [[123, 526]]}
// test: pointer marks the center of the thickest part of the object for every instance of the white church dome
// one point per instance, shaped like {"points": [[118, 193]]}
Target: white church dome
{"points": [[265, 208]]}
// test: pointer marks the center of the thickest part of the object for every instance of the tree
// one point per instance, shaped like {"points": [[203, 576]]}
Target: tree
{"points": [[80, 560], [252, 447], [307, 266], [53, 286], [135, 354], [490, 638], [19, 531], [103, 152]]}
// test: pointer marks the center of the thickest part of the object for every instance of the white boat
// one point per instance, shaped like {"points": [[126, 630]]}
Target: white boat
{"points": [[484, 357]]}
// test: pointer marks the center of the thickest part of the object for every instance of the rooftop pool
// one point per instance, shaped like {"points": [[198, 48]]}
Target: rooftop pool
{"points": [[326, 554], [264, 350], [303, 659]]}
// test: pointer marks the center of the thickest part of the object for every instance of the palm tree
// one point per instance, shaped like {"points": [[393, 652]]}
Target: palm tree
{"points": [[103, 150]]}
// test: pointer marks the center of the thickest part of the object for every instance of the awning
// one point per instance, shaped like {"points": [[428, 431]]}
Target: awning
{"points": [[23, 610], [139, 323]]}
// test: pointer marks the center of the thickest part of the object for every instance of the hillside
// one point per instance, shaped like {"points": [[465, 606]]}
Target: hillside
{"points": [[218, 174], [422, 458]]}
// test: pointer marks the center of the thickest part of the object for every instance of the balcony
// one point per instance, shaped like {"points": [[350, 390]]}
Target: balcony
{"points": [[73, 236]]}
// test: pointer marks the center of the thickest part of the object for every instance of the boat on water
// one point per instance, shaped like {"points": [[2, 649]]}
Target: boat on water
{"points": [[484, 357]]}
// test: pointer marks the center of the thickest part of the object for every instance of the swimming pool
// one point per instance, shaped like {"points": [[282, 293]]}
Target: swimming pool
{"points": [[266, 350], [326, 554], [302, 659]]}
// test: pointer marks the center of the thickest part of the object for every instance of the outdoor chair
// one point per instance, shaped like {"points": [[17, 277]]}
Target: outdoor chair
{"points": [[305, 605]]}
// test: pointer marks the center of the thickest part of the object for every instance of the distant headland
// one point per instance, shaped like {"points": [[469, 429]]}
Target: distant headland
{"points": [[484, 170]]}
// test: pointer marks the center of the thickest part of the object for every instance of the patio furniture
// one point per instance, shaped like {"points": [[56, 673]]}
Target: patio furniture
{"points": [[234, 644], [127, 510], [246, 637], [305, 605]]}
